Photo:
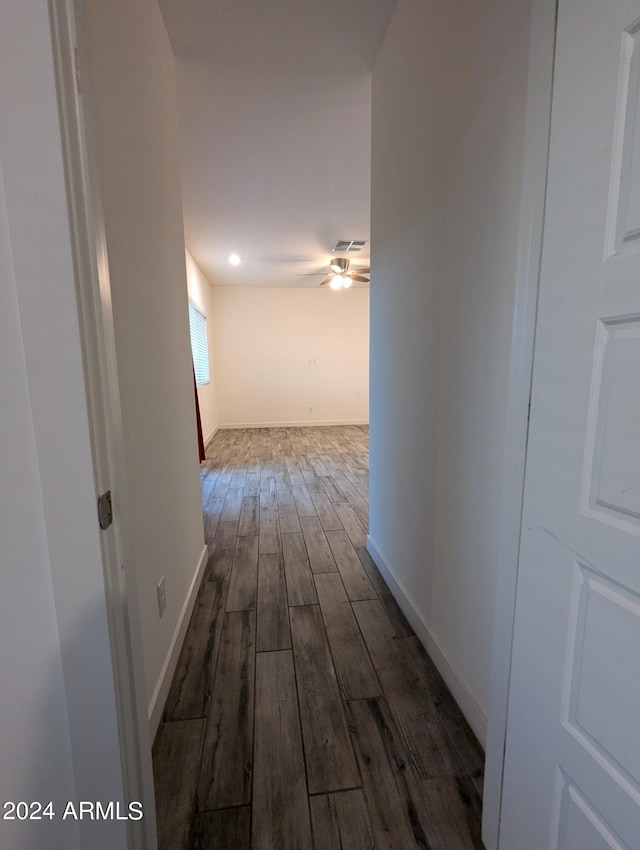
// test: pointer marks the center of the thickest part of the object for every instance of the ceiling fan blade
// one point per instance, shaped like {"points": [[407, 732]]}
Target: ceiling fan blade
{"points": [[310, 274], [361, 271], [359, 278], [331, 277]]}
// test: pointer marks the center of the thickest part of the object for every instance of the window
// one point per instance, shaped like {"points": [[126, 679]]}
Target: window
{"points": [[199, 347]]}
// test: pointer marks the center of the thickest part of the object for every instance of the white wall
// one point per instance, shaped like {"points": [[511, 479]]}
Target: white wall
{"points": [[200, 293], [132, 97], [263, 340], [57, 704], [35, 745], [449, 88]]}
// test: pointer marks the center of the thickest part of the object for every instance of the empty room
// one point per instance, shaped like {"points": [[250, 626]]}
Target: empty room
{"points": [[319, 509]]}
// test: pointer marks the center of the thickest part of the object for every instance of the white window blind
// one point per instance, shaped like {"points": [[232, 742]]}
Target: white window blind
{"points": [[199, 347]]}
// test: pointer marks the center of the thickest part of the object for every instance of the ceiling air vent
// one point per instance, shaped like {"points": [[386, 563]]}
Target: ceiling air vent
{"points": [[349, 245]]}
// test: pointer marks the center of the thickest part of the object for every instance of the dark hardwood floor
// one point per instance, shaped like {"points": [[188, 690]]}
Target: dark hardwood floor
{"points": [[304, 712]]}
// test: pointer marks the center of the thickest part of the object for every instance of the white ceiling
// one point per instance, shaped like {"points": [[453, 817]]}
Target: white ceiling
{"points": [[275, 120]]}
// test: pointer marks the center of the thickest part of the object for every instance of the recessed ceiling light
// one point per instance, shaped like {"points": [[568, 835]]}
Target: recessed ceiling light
{"points": [[234, 259]]}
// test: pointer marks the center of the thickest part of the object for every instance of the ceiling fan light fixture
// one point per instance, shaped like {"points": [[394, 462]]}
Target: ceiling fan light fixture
{"points": [[341, 277], [339, 265]]}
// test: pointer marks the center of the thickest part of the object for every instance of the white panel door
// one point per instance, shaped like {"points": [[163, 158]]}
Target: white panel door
{"points": [[572, 762]]}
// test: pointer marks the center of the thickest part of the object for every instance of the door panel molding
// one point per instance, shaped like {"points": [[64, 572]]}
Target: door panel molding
{"points": [[574, 684]]}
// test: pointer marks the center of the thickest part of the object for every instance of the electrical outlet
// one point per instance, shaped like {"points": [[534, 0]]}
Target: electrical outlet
{"points": [[162, 596], [310, 409], [312, 361]]}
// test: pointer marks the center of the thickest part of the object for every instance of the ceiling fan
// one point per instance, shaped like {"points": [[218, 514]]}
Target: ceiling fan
{"points": [[340, 277]]}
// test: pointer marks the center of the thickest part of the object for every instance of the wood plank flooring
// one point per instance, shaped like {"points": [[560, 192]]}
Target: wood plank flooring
{"points": [[304, 713]]}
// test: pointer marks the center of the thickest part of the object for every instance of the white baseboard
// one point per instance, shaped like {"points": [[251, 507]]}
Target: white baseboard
{"points": [[210, 436], [161, 692], [294, 424], [454, 681]]}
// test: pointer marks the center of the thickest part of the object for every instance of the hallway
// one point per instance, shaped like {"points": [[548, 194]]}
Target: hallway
{"points": [[303, 704]]}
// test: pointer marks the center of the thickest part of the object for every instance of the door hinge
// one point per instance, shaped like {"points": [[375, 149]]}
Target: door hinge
{"points": [[105, 510]]}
